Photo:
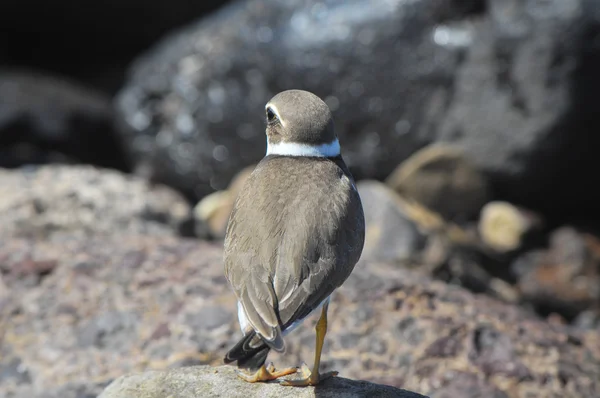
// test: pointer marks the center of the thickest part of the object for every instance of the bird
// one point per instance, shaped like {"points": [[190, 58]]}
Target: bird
{"points": [[294, 235]]}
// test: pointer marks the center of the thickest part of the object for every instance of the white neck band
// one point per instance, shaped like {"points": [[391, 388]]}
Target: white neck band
{"points": [[329, 150]]}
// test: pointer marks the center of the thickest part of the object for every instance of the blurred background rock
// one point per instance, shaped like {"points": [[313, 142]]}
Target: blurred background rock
{"points": [[127, 129]]}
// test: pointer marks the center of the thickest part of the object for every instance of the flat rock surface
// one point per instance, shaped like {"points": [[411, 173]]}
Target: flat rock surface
{"points": [[110, 306], [206, 382]]}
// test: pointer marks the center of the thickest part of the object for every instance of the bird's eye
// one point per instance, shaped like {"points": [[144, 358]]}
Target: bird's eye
{"points": [[271, 116]]}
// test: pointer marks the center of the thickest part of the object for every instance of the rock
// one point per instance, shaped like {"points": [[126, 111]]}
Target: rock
{"points": [[49, 200], [193, 107], [45, 119], [214, 209], [206, 381], [95, 41], [116, 305], [565, 278], [521, 108], [442, 178], [390, 233], [404, 232], [503, 226], [588, 319], [496, 79]]}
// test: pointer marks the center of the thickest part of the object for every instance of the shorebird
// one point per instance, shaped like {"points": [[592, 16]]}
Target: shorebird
{"points": [[294, 235]]}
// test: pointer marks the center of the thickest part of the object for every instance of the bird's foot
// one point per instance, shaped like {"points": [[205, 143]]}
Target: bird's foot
{"points": [[309, 378], [266, 374]]}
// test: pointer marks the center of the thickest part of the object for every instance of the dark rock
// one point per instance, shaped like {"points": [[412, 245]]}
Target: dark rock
{"points": [[94, 41], [522, 105], [47, 119], [27, 267], [161, 331], [428, 242], [589, 319], [52, 200], [33, 271], [436, 339], [511, 83], [442, 178], [390, 234], [213, 210], [494, 353], [194, 104], [565, 278], [447, 346]]}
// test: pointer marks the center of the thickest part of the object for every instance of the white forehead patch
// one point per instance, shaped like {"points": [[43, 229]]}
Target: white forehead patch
{"points": [[329, 150]]}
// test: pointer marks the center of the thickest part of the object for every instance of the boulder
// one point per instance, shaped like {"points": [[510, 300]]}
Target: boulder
{"points": [[94, 41], [208, 382], [45, 201], [193, 106], [563, 278], [213, 210], [116, 305], [510, 83], [444, 179], [391, 235], [521, 106], [49, 119]]}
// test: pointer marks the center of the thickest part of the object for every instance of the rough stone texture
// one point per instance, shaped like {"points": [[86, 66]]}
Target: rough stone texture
{"points": [[390, 233], [207, 382], [44, 201], [511, 82], [589, 319], [565, 277], [213, 210], [521, 105], [194, 104], [444, 179], [45, 119], [116, 305]]}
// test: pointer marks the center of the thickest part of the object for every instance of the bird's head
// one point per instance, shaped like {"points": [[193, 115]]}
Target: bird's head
{"points": [[300, 124]]}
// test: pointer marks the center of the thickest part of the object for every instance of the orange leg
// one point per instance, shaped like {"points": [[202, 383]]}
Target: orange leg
{"points": [[312, 378]]}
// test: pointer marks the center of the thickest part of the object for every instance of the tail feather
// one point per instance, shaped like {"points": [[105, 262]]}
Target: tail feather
{"points": [[250, 352], [254, 362]]}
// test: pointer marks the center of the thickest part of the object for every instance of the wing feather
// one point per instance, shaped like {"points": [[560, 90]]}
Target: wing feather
{"points": [[283, 257]]}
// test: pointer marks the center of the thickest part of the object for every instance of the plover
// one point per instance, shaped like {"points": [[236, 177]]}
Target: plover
{"points": [[294, 235]]}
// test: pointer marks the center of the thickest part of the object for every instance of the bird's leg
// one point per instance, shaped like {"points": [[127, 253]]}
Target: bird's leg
{"points": [[312, 378], [266, 374]]}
